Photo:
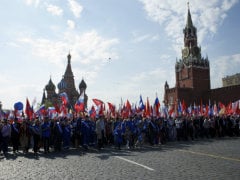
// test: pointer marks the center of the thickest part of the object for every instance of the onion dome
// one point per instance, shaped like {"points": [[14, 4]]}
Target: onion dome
{"points": [[82, 85], [50, 86], [62, 85]]}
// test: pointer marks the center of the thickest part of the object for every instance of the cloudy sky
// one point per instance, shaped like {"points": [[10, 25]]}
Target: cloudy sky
{"points": [[122, 48]]}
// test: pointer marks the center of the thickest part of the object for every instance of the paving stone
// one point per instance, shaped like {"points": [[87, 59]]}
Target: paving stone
{"points": [[203, 159]]}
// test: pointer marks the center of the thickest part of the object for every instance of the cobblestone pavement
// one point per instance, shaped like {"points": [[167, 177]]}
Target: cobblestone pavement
{"points": [[203, 159]]}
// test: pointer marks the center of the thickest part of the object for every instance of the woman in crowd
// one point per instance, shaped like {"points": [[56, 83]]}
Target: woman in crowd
{"points": [[25, 136]]}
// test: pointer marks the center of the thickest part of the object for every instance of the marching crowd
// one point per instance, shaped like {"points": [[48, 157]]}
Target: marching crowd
{"points": [[133, 132]]}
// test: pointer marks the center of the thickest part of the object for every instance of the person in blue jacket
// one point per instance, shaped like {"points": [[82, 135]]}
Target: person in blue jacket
{"points": [[5, 132], [58, 133], [66, 134], [36, 131], [85, 132], [46, 132], [118, 133], [15, 135]]}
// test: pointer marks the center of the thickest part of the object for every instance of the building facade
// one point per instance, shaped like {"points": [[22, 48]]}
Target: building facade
{"points": [[231, 80], [192, 73], [66, 85]]}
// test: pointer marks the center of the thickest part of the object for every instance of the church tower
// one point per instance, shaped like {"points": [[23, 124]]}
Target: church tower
{"points": [[192, 70], [67, 83]]}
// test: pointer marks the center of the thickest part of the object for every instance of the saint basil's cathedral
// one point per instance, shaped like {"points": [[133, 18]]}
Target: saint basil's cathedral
{"points": [[66, 85]]}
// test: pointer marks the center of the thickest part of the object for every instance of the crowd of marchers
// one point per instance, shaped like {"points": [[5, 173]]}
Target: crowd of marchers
{"points": [[29, 136]]}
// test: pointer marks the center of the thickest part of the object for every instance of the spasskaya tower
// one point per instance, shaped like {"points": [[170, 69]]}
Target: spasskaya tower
{"points": [[192, 70]]}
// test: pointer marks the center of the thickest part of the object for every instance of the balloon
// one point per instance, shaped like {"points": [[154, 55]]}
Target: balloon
{"points": [[18, 106]]}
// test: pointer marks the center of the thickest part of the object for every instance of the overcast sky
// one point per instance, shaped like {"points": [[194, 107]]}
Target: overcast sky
{"points": [[122, 48]]}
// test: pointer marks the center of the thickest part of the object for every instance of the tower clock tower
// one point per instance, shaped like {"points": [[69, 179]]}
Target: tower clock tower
{"points": [[193, 76], [192, 70]]}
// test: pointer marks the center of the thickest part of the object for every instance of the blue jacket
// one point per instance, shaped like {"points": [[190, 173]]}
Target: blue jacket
{"points": [[46, 131]]}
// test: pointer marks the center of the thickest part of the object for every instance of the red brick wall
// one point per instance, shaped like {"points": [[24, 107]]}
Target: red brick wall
{"points": [[201, 79], [193, 86], [194, 77], [225, 94]]}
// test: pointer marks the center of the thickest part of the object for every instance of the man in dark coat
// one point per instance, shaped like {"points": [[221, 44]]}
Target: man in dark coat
{"points": [[15, 135]]}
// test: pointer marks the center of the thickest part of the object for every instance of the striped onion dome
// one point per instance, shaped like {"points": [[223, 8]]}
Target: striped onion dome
{"points": [[62, 85]]}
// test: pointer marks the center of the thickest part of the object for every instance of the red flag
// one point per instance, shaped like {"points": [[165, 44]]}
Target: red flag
{"points": [[171, 110], [92, 112], [147, 108], [124, 112], [97, 102], [28, 110], [128, 105], [111, 108], [102, 109], [79, 107], [229, 108], [57, 109], [221, 105], [63, 110], [184, 107], [222, 108]]}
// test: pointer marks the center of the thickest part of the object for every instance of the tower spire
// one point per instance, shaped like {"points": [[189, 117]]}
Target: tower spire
{"points": [[189, 18], [69, 57]]}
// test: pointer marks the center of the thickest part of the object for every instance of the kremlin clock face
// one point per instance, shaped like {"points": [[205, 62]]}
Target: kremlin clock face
{"points": [[185, 52]]}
